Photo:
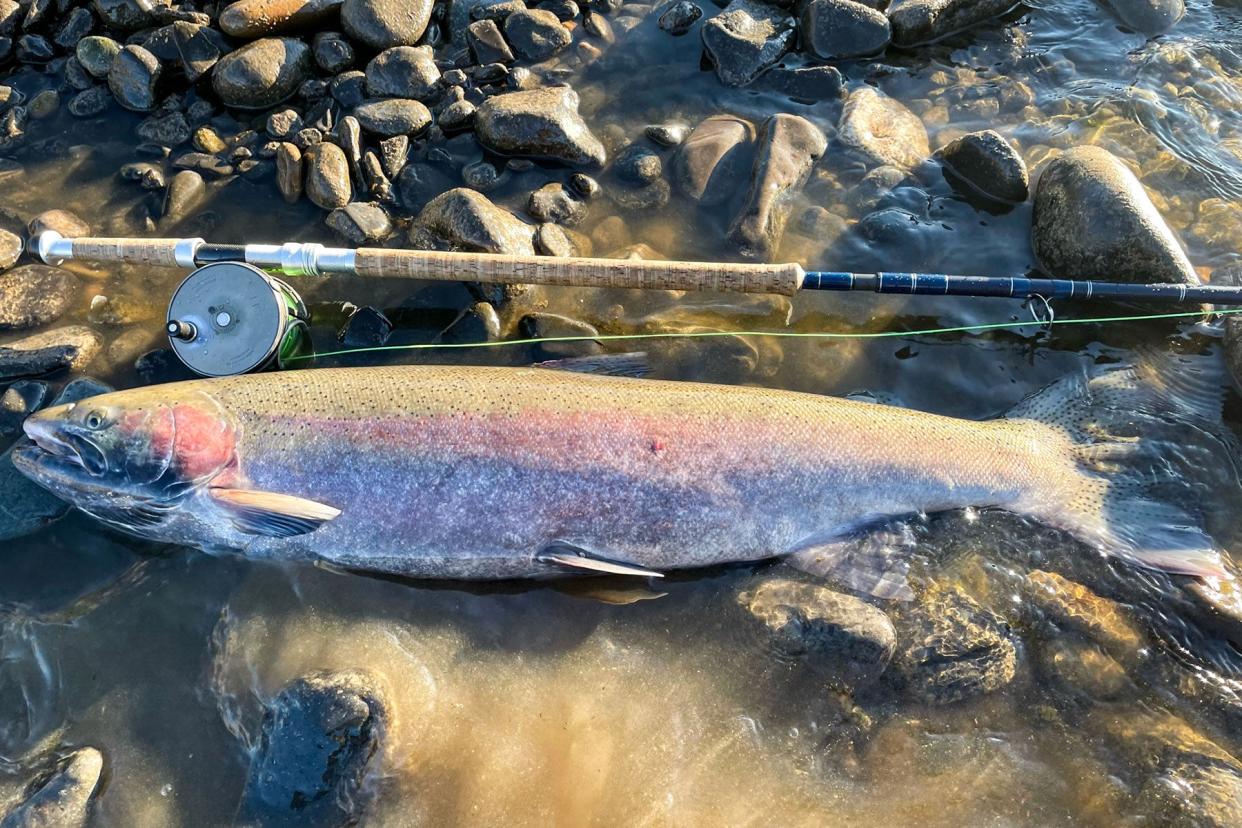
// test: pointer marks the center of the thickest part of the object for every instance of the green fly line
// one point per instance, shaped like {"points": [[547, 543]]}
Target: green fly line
{"points": [[992, 326]]}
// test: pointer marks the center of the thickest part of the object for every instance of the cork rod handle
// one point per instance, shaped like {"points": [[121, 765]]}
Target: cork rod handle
{"points": [[580, 272], [157, 252]]}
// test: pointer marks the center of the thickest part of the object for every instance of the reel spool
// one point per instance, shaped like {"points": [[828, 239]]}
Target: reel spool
{"points": [[231, 318]]}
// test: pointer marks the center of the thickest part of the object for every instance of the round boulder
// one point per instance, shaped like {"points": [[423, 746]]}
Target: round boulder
{"points": [[986, 161], [382, 24], [132, 77], [1093, 220], [263, 73], [34, 295], [882, 130]]}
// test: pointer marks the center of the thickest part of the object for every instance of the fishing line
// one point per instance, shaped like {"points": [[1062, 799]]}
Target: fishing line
{"points": [[992, 326]]}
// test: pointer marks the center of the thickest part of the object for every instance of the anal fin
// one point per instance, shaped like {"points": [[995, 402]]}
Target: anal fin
{"points": [[574, 557], [270, 513], [871, 562]]}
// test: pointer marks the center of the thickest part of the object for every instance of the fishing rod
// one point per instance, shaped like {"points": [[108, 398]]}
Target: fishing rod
{"points": [[231, 315]]}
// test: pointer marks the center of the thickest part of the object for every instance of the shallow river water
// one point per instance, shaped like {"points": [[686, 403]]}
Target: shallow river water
{"points": [[541, 704]]}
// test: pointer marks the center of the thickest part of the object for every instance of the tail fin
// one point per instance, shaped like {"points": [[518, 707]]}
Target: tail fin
{"points": [[1149, 458]]}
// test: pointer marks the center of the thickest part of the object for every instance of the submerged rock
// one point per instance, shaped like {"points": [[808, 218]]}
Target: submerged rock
{"points": [[1074, 607], [34, 295], [261, 74], [747, 38], [467, 220], [96, 54], [72, 347], [679, 17], [1093, 220], [11, 247], [882, 130], [988, 163], [543, 123], [921, 21], [845, 640], [556, 203], [788, 147], [837, 29], [360, 222], [1149, 17], [953, 649], [62, 797], [318, 743], [710, 164]]}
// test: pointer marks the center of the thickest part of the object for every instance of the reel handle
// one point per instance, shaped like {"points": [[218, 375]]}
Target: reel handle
{"points": [[578, 272]]}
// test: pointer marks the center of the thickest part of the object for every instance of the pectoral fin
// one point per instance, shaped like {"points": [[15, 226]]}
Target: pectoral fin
{"points": [[573, 557], [272, 514], [871, 560]]}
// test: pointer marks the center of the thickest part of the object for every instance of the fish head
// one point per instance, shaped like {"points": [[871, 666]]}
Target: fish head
{"points": [[129, 457]]}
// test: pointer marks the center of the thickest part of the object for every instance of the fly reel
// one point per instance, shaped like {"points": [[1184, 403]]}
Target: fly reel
{"points": [[232, 318]]}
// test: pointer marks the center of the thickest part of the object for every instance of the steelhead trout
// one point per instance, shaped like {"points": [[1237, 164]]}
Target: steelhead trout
{"points": [[473, 472]]}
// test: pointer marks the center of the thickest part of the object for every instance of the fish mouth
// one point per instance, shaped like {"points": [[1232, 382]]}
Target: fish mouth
{"points": [[55, 440]]}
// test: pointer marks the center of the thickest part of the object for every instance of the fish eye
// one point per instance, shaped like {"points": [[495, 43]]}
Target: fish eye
{"points": [[94, 420]]}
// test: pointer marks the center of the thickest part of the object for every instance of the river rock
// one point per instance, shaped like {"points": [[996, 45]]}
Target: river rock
{"points": [[843, 639], [1074, 607], [382, 24], [679, 17], [96, 54], [19, 401], [185, 194], [986, 161], [360, 222], [321, 737], [198, 47], [711, 163], [536, 34], [468, 221], [789, 146], [333, 53], [839, 29], [1149, 17], [882, 130], [11, 246], [477, 323], [1093, 220], [922, 21], [403, 72], [289, 172], [554, 202], [953, 649], [34, 295], [487, 43], [133, 76], [128, 15], [261, 74], [747, 38], [327, 176], [67, 223], [63, 798], [393, 116], [542, 123], [71, 347], [257, 18]]}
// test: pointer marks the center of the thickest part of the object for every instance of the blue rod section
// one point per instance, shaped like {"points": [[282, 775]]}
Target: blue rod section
{"points": [[1018, 287]]}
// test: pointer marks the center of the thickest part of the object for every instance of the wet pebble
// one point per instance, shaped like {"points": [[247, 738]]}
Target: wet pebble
{"points": [[420, 182], [711, 164], [34, 295], [206, 139], [847, 642], [541, 123], [553, 326], [333, 53], [584, 185], [249, 19], [283, 123], [457, 116], [637, 164], [679, 17], [838, 29], [921, 21], [553, 202], [382, 24], [986, 161], [186, 192], [320, 738], [262, 73], [327, 176], [19, 401], [481, 175], [11, 247], [468, 220], [66, 223], [747, 38], [487, 43], [168, 130], [554, 240], [403, 72], [393, 116], [289, 172], [1094, 220], [96, 54], [360, 222], [132, 78], [535, 34]]}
